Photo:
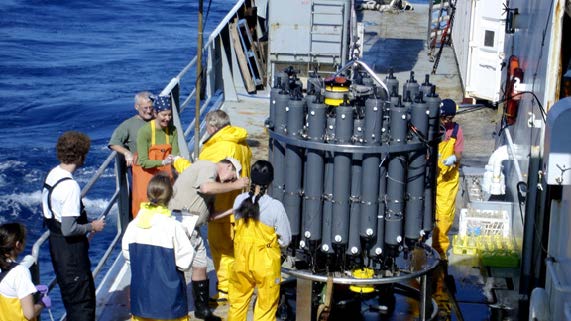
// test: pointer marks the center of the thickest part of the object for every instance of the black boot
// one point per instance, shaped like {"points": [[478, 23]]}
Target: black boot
{"points": [[201, 308]]}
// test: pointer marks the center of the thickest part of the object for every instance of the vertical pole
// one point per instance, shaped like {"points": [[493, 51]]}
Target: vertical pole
{"points": [[424, 298], [123, 202], [303, 299], [198, 83], [529, 252]]}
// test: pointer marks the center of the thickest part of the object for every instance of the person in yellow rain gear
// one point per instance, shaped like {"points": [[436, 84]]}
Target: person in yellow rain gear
{"points": [[224, 141], [262, 229], [447, 180]]}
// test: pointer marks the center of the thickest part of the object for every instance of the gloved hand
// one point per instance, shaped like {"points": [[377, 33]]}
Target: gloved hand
{"points": [[450, 160], [129, 158], [46, 300], [167, 160]]}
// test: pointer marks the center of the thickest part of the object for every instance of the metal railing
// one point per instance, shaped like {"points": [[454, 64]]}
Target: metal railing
{"points": [[219, 82]]}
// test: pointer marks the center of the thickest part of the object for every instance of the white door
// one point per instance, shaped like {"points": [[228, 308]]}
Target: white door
{"points": [[486, 52]]}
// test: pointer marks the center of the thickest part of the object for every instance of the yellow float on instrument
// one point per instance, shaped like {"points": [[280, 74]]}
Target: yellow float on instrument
{"points": [[335, 90], [364, 273]]}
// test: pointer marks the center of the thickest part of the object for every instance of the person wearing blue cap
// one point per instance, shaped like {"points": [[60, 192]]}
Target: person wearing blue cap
{"points": [[156, 145], [448, 176]]}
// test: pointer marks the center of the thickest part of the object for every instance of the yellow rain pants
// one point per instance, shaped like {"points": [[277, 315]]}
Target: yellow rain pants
{"points": [[256, 265], [446, 189], [229, 141]]}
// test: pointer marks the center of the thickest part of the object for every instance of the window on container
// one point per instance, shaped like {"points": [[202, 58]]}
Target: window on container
{"points": [[489, 38]]}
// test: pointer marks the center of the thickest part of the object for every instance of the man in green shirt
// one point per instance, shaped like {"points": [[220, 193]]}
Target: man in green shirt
{"points": [[124, 138]]}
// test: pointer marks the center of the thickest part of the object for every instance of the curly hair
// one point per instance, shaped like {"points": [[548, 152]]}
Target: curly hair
{"points": [[72, 146], [10, 234]]}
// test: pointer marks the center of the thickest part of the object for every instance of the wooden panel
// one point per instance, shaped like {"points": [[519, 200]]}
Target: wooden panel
{"points": [[242, 60]]}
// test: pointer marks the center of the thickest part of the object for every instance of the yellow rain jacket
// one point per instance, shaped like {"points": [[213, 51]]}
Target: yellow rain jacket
{"points": [[446, 189], [257, 264], [229, 141]]}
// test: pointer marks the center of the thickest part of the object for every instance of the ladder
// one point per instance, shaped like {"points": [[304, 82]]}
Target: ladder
{"points": [[327, 30], [445, 38], [439, 14]]}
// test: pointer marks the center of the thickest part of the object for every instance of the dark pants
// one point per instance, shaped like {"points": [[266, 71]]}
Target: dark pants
{"points": [[73, 271]]}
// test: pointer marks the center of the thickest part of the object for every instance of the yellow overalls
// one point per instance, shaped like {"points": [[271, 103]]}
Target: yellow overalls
{"points": [[257, 264], [229, 141], [446, 189]]}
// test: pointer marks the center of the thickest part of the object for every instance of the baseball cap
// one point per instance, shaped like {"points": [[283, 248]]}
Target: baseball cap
{"points": [[447, 107], [236, 165]]}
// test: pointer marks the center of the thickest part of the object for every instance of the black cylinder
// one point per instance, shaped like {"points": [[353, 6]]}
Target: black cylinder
{"points": [[314, 169], [342, 175], [392, 83], [354, 245], [294, 166], [326, 241], [426, 86], [396, 180], [433, 103], [416, 173], [278, 148], [378, 248], [411, 86], [370, 173]]}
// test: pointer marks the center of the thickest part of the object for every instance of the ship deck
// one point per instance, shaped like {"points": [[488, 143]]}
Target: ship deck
{"points": [[394, 40]]}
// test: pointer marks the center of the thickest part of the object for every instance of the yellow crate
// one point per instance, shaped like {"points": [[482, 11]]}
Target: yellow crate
{"points": [[495, 243], [498, 251], [465, 245]]}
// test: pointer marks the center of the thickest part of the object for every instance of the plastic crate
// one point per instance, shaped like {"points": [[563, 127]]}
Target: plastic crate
{"points": [[484, 222], [498, 251], [465, 245]]}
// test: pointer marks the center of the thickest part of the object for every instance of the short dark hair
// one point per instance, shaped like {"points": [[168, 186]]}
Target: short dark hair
{"points": [[10, 234], [72, 146]]}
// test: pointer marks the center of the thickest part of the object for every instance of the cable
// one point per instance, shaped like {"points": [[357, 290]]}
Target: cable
{"points": [[471, 109], [541, 109], [207, 12]]}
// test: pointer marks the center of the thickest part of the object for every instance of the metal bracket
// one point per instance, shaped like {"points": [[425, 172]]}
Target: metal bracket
{"points": [[521, 87], [533, 122]]}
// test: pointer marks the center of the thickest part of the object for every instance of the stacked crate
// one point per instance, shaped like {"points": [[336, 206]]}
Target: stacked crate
{"points": [[486, 233]]}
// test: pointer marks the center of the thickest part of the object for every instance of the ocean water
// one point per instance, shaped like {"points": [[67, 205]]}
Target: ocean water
{"points": [[76, 65]]}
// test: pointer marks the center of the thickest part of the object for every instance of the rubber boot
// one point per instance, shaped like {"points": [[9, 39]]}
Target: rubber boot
{"points": [[201, 308]]}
